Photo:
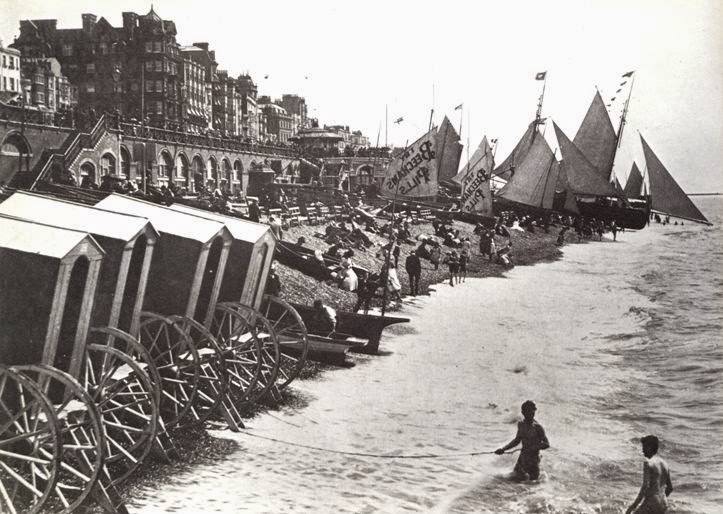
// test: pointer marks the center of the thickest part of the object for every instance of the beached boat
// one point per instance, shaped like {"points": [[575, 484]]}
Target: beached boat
{"points": [[363, 326], [330, 350], [303, 259], [666, 196]]}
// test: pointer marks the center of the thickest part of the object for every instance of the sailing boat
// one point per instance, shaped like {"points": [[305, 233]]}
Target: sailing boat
{"points": [[413, 175], [449, 151], [476, 200], [597, 143], [634, 183], [666, 195], [532, 186]]}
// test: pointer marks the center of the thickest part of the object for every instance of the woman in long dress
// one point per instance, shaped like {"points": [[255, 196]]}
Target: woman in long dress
{"points": [[653, 495]]}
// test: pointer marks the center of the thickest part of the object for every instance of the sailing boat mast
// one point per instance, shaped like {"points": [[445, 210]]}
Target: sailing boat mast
{"points": [[538, 114], [621, 127]]}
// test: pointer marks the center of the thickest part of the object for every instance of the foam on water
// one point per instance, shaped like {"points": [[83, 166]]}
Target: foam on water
{"points": [[612, 342]]}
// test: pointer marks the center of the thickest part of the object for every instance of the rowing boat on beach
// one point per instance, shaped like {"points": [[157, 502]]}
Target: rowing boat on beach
{"points": [[330, 350], [363, 326], [303, 259]]}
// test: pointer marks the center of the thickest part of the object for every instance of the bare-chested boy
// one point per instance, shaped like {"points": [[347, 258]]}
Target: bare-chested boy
{"points": [[532, 436]]}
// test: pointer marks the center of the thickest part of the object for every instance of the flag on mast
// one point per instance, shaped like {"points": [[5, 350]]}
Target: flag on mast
{"points": [[629, 74], [458, 107], [541, 75]]}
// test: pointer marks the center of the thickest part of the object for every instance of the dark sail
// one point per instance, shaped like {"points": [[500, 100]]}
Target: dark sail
{"points": [[518, 153], [535, 177], [665, 193], [596, 137], [449, 150], [634, 183], [582, 177]]}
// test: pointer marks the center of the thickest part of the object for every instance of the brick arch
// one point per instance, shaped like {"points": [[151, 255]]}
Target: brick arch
{"points": [[183, 167], [212, 169], [19, 141]]}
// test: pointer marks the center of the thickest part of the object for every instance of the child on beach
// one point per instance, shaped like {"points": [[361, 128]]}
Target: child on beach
{"points": [[532, 436], [453, 262], [653, 495]]}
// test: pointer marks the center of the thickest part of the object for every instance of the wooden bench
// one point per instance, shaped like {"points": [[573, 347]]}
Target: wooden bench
{"points": [[324, 213], [293, 216], [276, 213], [426, 215], [337, 212]]}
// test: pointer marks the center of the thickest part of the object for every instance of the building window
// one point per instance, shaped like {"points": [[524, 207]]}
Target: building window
{"points": [[90, 67], [159, 107], [103, 47], [117, 87], [90, 87], [159, 86], [157, 46], [40, 97], [149, 47], [12, 84], [67, 50], [159, 65], [5, 83], [149, 86], [4, 62], [149, 65]]}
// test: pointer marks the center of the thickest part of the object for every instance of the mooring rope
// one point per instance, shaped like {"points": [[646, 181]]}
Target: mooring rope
{"points": [[374, 455]]}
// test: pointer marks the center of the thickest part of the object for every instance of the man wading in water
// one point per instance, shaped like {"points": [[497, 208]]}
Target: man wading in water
{"points": [[653, 495], [532, 436]]}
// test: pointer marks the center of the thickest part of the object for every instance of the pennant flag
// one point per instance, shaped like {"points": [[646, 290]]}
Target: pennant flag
{"points": [[541, 75], [616, 92], [623, 82], [629, 74], [458, 107], [613, 98], [399, 120]]}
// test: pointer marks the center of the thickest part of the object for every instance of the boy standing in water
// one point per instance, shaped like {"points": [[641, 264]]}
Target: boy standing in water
{"points": [[532, 436], [653, 495]]}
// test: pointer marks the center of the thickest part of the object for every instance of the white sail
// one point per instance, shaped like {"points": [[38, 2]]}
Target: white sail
{"points": [[476, 195], [414, 174]]}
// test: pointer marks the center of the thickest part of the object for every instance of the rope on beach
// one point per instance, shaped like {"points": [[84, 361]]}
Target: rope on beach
{"points": [[375, 455]]}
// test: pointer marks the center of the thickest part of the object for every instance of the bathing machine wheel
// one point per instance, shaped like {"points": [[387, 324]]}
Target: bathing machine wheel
{"points": [[291, 333], [127, 401], [29, 444], [212, 376], [175, 356], [240, 324], [81, 437]]}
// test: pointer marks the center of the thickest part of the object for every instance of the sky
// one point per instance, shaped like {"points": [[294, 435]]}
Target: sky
{"points": [[353, 60]]}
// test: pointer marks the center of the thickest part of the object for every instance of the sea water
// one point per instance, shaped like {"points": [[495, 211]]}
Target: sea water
{"points": [[613, 342]]}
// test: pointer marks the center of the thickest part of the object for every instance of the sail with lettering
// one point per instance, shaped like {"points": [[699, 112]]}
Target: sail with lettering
{"points": [[535, 178], [414, 173], [596, 137], [518, 153], [449, 150], [476, 195], [634, 183], [582, 177], [665, 194], [474, 162]]}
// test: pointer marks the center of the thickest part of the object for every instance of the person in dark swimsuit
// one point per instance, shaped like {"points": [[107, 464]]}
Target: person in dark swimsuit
{"points": [[532, 436]]}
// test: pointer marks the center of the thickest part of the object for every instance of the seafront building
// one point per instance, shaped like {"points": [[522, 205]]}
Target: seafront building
{"points": [[129, 98], [10, 86]]}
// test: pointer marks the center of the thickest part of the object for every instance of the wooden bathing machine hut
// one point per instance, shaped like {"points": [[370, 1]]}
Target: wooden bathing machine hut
{"points": [[128, 242], [48, 278], [189, 261], [250, 257]]}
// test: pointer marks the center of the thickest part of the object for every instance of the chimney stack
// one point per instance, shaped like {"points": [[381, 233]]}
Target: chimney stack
{"points": [[89, 22]]}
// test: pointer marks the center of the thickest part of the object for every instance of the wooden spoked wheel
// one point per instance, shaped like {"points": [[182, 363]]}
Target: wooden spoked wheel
{"points": [[81, 436], [249, 335], [291, 333], [212, 378], [177, 361], [123, 394], [29, 444]]}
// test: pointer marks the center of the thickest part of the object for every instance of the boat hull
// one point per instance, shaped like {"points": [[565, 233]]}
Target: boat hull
{"points": [[363, 326], [624, 217]]}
